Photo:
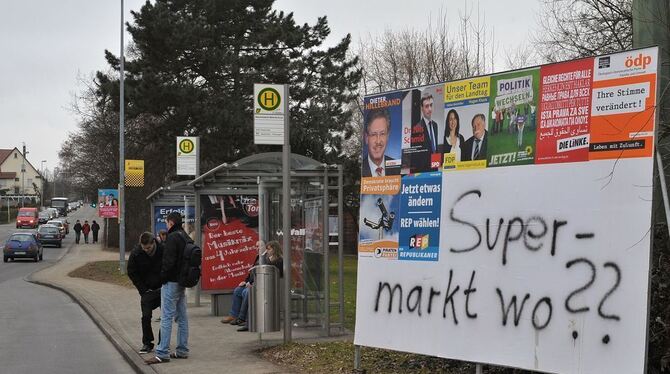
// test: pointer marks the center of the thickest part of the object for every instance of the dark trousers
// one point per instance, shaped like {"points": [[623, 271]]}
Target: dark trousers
{"points": [[77, 235], [148, 302], [95, 236], [85, 237]]}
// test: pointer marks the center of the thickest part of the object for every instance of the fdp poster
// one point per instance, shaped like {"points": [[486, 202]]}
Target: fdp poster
{"points": [[229, 239], [108, 203]]}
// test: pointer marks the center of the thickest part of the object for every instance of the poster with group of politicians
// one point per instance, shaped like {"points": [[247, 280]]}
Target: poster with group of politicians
{"points": [[505, 219]]}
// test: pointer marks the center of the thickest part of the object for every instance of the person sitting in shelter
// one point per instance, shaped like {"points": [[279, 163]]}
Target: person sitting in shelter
{"points": [[240, 308]]}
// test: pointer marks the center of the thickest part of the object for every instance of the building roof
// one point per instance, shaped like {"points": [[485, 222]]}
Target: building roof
{"points": [[8, 175], [4, 153]]}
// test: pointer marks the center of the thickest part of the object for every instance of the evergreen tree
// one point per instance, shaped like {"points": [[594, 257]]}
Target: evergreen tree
{"points": [[193, 64]]}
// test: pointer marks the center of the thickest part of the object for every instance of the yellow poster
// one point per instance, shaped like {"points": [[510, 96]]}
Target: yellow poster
{"points": [[134, 173]]}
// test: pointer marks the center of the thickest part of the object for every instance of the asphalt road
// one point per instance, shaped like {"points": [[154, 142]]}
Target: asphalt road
{"points": [[42, 329]]}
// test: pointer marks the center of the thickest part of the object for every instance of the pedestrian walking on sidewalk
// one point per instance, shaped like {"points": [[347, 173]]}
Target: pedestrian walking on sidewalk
{"points": [[85, 229], [94, 229], [77, 231], [173, 296], [144, 270]]}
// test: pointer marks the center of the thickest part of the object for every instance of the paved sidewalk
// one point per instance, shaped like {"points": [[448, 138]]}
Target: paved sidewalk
{"points": [[215, 347]]}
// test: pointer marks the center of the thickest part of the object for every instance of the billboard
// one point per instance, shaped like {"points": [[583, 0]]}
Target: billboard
{"points": [[529, 246], [229, 235], [108, 203]]}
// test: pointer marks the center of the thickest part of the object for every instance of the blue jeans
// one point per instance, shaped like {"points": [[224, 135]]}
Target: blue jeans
{"points": [[240, 303], [173, 304]]}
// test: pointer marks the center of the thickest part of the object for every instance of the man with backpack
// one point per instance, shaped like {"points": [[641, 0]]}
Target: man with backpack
{"points": [[178, 271]]}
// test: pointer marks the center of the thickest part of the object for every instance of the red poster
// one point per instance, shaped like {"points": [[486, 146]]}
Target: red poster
{"points": [[229, 236], [565, 112]]}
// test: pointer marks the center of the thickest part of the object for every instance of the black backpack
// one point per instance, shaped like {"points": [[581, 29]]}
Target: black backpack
{"points": [[189, 272]]}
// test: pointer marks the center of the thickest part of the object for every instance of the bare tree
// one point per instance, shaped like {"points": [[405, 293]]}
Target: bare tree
{"points": [[579, 28]]}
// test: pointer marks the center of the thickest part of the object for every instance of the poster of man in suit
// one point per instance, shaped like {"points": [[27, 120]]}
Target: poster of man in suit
{"points": [[424, 152], [382, 135]]}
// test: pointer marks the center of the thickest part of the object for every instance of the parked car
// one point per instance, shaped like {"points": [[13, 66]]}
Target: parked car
{"points": [[23, 245], [43, 217], [62, 225], [27, 217], [50, 234]]}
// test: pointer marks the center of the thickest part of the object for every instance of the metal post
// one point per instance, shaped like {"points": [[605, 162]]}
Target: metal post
{"points": [[479, 369], [286, 218], [23, 175], [198, 239], [340, 243], [122, 200], [357, 357], [326, 249]]}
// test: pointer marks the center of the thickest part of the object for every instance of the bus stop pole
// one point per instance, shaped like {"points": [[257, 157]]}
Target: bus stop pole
{"points": [[286, 218]]}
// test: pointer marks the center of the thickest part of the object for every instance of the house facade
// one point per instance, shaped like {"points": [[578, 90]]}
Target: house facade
{"points": [[15, 182]]}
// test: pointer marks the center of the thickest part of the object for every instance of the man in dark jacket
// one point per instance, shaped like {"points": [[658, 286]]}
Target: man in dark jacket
{"points": [[94, 229], [144, 269], [173, 296], [77, 231]]}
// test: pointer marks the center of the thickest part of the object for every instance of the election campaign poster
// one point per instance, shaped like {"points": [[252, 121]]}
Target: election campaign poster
{"points": [[108, 203], [624, 104], [229, 239], [466, 103], [382, 135], [514, 98], [565, 112], [536, 254], [424, 130]]}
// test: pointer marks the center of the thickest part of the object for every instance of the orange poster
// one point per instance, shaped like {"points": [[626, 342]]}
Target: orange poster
{"points": [[623, 106]]}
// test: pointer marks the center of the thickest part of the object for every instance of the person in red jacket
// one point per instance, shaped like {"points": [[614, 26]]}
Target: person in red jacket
{"points": [[85, 229]]}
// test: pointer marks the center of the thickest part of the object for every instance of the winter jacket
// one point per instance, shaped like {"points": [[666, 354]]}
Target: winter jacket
{"points": [[77, 227], [144, 270], [172, 256], [86, 228], [95, 227], [278, 263]]}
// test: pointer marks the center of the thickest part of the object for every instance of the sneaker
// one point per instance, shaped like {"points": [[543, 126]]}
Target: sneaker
{"points": [[178, 355], [237, 322], [156, 360], [243, 328], [228, 319], [146, 348]]}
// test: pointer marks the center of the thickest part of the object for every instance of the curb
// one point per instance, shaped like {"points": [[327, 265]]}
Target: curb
{"points": [[128, 353]]}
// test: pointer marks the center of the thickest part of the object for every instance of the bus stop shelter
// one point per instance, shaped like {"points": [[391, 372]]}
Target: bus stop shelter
{"points": [[240, 203]]}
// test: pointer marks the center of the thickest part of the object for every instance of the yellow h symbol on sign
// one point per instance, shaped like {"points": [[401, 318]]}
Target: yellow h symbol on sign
{"points": [[269, 98]]}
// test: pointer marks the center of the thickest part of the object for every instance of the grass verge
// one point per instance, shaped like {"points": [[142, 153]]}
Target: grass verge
{"points": [[102, 271]]}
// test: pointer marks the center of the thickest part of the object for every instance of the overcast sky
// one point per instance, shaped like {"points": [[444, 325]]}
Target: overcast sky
{"points": [[47, 46]]}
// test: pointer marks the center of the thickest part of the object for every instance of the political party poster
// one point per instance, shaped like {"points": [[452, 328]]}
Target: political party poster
{"points": [[466, 104], [420, 206], [536, 257], [382, 135], [108, 203], [378, 226], [565, 112], [423, 130], [229, 239], [161, 213], [624, 104], [514, 98]]}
